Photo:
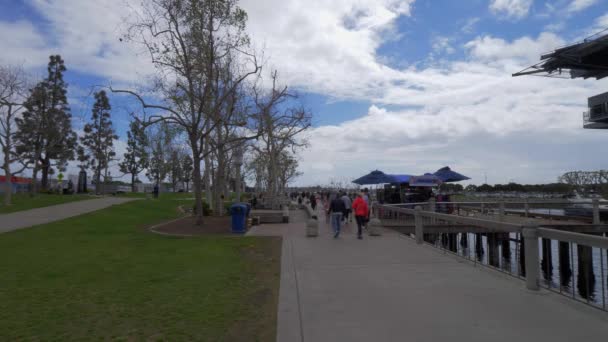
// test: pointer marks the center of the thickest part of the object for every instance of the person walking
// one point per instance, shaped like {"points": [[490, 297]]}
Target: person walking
{"points": [[313, 201], [347, 206], [365, 196], [336, 209], [361, 211]]}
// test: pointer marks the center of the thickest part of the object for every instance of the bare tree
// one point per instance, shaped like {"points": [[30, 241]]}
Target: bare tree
{"points": [[281, 122], [288, 169], [12, 95], [161, 143], [194, 46], [582, 180]]}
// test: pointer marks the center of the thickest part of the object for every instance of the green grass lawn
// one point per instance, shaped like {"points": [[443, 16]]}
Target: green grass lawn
{"points": [[25, 201], [102, 276]]}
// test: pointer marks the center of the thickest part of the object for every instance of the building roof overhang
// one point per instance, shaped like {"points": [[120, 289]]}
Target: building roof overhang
{"points": [[587, 59]]}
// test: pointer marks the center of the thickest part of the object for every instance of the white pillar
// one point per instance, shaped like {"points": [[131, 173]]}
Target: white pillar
{"points": [[530, 234]]}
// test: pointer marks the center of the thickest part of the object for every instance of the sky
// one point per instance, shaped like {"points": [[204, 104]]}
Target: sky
{"points": [[403, 86]]}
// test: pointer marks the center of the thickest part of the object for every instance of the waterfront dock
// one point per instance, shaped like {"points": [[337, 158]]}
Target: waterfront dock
{"points": [[389, 288]]}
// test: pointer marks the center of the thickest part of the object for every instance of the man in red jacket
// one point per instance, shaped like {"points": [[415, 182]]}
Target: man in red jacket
{"points": [[361, 210]]}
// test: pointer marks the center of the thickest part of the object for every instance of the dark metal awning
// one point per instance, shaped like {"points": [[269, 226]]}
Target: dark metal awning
{"points": [[587, 59]]}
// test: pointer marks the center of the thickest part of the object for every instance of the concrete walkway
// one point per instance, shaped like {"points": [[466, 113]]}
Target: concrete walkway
{"points": [[388, 288], [33, 217]]}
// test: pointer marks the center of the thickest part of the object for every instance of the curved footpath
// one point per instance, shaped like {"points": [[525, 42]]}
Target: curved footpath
{"points": [[388, 288], [33, 217]]}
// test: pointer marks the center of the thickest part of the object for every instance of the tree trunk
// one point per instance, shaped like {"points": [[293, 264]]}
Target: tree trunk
{"points": [[272, 180], [237, 182], [105, 179], [7, 186], [219, 185], [198, 198], [7, 169], [207, 175], [44, 181], [98, 181], [34, 188], [133, 182], [207, 179]]}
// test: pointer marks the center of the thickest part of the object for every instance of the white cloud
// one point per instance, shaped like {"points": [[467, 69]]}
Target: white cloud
{"points": [[442, 44], [513, 9], [490, 48], [469, 26], [601, 23], [472, 115], [579, 5], [22, 44], [327, 46], [85, 33]]}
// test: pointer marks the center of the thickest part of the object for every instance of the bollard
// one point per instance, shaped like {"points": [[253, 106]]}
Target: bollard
{"points": [[374, 227], [501, 210], [596, 211], [530, 234], [312, 228], [419, 230], [285, 214]]}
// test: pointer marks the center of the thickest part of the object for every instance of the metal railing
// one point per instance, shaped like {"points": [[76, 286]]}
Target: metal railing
{"points": [[586, 116], [568, 210], [524, 250]]}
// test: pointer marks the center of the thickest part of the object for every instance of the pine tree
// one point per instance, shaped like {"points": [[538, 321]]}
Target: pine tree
{"points": [[98, 139], [45, 137], [135, 160]]}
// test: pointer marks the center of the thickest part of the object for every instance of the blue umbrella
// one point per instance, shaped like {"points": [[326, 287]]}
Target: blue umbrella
{"points": [[447, 175], [374, 177], [401, 178]]}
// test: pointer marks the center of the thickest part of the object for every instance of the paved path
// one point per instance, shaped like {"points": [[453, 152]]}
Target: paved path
{"points": [[388, 288], [33, 217]]}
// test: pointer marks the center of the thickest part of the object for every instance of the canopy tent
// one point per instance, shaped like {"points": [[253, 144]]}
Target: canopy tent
{"points": [[427, 179], [374, 177], [443, 175], [447, 175]]}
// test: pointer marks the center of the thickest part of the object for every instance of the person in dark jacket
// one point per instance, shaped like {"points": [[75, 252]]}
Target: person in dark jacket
{"points": [[336, 209], [313, 201]]}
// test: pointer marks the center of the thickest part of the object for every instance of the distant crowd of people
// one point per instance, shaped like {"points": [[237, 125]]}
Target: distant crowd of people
{"points": [[339, 208]]}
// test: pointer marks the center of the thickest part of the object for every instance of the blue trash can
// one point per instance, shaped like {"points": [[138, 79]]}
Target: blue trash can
{"points": [[238, 211], [248, 208]]}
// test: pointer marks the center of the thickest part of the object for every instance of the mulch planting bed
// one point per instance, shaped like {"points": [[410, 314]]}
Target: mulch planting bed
{"points": [[187, 226]]}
